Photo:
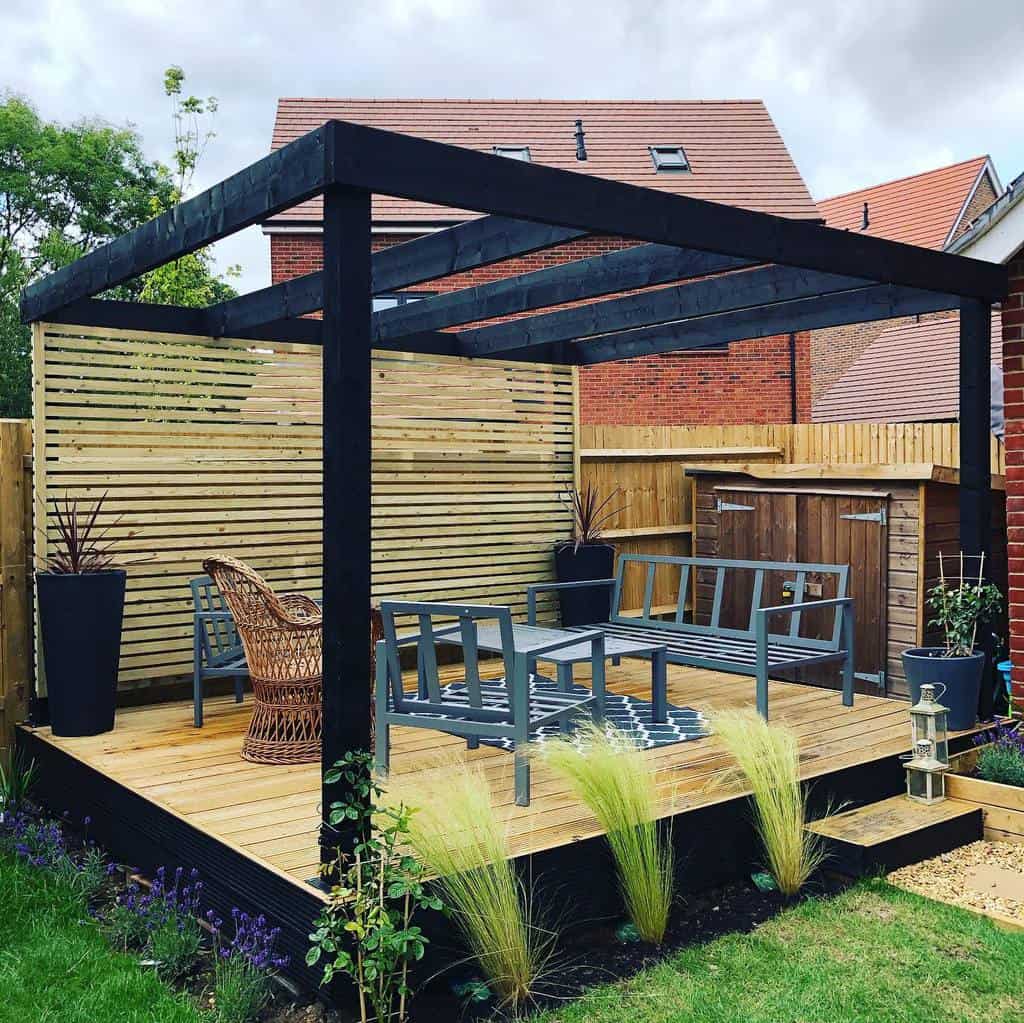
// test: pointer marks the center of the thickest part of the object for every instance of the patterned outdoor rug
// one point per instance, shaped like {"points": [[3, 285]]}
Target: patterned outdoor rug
{"points": [[626, 713]]}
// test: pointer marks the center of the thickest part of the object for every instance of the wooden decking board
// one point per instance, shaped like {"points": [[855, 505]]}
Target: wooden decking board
{"points": [[888, 819], [271, 814]]}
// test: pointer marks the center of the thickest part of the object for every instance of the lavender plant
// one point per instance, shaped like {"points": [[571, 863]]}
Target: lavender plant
{"points": [[161, 921], [42, 842], [172, 909], [244, 966], [1001, 758]]}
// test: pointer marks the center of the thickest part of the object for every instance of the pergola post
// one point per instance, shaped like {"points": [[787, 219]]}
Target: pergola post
{"points": [[975, 449], [347, 308]]}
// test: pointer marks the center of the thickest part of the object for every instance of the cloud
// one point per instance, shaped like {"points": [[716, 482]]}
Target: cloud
{"points": [[861, 91]]}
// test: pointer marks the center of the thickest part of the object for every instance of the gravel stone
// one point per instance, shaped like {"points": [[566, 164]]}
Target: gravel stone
{"points": [[963, 877]]}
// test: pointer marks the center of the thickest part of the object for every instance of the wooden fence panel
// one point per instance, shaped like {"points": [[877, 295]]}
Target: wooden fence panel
{"points": [[658, 515], [214, 445], [15, 556]]}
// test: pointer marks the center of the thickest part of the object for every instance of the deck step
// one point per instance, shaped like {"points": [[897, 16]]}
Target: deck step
{"points": [[894, 832]]}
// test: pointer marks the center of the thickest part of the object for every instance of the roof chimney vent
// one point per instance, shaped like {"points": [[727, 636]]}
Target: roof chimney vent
{"points": [[581, 148], [865, 220]]}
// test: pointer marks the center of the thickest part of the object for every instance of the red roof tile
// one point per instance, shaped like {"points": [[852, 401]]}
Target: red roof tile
{"points": [[734, 149], [918, 210], [909, 373]]}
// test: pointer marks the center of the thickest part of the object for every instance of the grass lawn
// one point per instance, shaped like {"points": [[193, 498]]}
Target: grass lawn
{"points": [[55, 966], [873, 955]]}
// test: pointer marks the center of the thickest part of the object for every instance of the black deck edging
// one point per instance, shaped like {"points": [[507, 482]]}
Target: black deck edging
{"points": [[573, 884], [146, 836], [922, 844]]}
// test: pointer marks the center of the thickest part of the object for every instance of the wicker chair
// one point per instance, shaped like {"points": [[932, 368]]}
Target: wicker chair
{"points": [[282, 637]]}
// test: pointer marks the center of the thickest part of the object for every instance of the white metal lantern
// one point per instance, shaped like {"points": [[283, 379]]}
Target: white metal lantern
{"points": [[926, 769], [928, 721]]}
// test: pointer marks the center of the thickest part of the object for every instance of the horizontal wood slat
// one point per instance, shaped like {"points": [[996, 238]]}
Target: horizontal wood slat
{"points": [[210, 445]]}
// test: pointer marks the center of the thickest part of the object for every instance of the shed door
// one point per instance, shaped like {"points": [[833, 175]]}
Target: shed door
{"points": [[827, 528]]}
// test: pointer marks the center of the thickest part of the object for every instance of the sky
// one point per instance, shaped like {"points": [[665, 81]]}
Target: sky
{"points": [[862, 90]]}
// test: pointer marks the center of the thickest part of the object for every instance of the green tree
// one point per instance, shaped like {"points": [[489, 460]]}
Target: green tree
{"points": [[191, 280], [66, 189], [63, 190]]}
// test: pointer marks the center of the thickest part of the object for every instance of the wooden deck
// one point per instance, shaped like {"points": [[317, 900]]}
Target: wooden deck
{"points": [[270, 814]]}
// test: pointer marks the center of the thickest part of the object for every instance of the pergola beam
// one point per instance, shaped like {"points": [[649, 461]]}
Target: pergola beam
{"points": [[427, 171], [476, 243], [152, 318], [700, 298], [639, 266], [283, 179], [879, 302]]}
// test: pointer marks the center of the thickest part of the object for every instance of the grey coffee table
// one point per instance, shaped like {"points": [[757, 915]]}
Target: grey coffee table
{"points": [[615, 648]]}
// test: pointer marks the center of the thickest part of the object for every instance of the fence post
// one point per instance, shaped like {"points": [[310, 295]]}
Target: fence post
{"points": [[15, 619]]}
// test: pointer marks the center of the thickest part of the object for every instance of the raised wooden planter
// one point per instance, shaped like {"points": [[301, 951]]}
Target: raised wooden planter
{"points": [[1002, 805]]}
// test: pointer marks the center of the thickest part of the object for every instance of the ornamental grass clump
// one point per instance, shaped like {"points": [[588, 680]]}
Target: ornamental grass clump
{"points": [[607, 770], [768, 760], [456, 834]]}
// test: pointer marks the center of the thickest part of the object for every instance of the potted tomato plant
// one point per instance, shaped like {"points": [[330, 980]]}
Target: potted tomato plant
{"points": [[586, 555], [960, 606], [81, 606]]}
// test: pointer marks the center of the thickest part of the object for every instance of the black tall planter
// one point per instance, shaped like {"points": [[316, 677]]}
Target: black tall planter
{"points": [[588, 604], [960, 675], [80, 620]]}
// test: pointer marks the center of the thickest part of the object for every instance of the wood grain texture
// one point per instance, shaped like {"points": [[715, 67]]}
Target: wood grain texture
{"points": [[890, 818], [272, 813], [207, 446], [15, 568]]}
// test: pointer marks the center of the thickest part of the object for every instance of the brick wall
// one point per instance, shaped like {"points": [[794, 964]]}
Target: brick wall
{"points": [[984, 196], [748, 382], [1013, 381]]}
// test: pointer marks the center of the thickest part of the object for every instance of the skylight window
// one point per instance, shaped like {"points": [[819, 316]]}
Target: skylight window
{"points": [[513, 152], [669, 158]]}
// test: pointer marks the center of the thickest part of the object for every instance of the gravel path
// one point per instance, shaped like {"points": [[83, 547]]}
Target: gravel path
{"points": [[987, 876]]}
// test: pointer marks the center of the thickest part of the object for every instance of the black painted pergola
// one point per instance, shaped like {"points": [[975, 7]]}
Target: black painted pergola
{"points": [[703, 275]]}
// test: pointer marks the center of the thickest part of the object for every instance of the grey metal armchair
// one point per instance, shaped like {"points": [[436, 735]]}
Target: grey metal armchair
{"points": [[509, 708], [216, 647]]}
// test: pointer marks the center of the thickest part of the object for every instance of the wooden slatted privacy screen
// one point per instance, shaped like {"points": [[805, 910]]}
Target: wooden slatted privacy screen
{"points": [[215, 445]]}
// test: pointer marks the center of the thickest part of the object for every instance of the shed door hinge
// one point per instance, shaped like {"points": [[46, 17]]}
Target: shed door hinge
{"points": [[878, 516], [722, 506]]}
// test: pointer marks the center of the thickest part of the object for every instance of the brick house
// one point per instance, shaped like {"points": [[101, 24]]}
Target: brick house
{"points": [[850, 365], [728, 152], [998, 236]]}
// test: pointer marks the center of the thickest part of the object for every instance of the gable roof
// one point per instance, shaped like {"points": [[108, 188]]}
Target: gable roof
{"points": [[909, 373], [735, 152], [923, 209], [998, 234]]}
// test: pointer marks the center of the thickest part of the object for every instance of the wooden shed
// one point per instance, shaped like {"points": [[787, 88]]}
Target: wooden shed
{"points": [[888, 522]]}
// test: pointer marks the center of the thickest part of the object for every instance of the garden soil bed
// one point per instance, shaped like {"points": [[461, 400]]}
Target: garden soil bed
{"points": [[594, 956], [597, 956]]}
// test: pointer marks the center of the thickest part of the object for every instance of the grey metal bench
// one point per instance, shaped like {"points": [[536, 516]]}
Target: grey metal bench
{"points": [[216, 647], [508, 708], [755, 650]]}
